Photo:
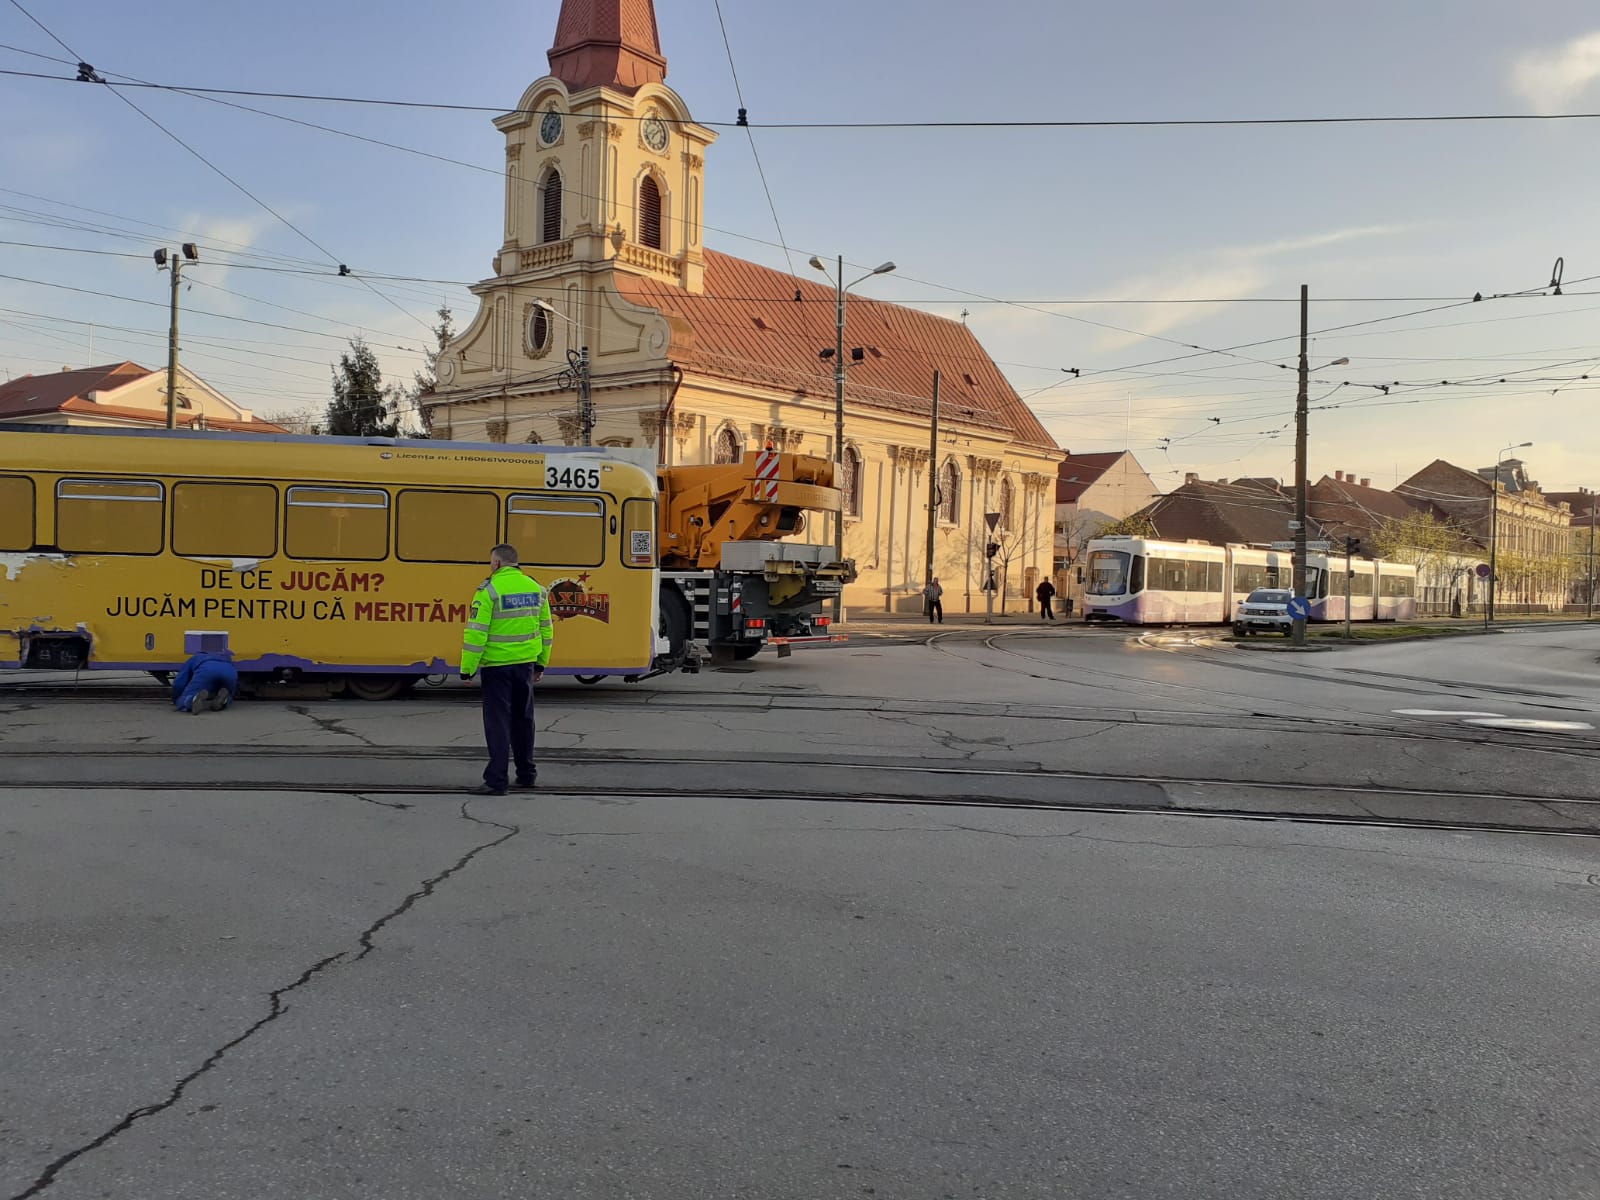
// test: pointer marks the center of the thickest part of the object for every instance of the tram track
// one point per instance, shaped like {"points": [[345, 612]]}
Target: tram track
{"points": [[372, 795], [390, 777]]}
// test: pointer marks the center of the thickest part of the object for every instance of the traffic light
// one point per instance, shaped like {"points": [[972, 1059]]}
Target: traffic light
{"points": [[1352, 546], [991, 549]]}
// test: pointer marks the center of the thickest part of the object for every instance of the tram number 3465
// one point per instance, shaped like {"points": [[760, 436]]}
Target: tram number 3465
{"points": [[581, 478]]}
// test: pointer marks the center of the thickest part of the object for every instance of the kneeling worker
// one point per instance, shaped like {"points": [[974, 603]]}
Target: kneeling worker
{"points": [[207, 682], [507, 642]]}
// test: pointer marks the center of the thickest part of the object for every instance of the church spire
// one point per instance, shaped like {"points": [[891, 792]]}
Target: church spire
{"points": [[607, 43]]}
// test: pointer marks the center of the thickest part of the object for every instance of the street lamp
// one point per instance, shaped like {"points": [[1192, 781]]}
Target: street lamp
{"points": [[578, 362], [1301, 406], [1494, 526], [840, 288]]}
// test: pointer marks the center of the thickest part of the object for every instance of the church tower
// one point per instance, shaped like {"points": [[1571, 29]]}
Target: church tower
{"points": [[604, 176]]}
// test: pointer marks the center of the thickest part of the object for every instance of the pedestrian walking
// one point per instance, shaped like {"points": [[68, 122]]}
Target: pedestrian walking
{"points": [[507, 644], [1046, 592], [935, 594]]}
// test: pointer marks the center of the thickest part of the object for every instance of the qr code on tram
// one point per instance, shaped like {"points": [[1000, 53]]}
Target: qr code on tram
{"points": [[641, 543]]}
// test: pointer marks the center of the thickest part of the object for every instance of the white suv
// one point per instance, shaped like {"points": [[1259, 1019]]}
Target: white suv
{"points": [[1265, 609]]}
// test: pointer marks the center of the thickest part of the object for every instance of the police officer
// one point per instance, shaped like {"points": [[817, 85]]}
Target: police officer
{"points": [[507, 641]]}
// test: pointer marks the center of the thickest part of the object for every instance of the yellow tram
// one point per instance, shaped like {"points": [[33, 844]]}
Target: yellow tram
{"points": [[339, 558]]}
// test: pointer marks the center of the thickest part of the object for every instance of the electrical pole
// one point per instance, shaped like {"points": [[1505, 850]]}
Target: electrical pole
{"points": [[172, 350], [1589, 613], [585, 397], [838, 426], [174, 259], [1300, 413], [933, 478]]}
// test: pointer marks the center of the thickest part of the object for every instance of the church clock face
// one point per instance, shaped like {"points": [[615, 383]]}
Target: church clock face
{"points": [[550, 128], [655, 134]]}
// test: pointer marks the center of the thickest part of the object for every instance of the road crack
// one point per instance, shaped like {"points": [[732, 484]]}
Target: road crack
{"points": [[275, 1009]]}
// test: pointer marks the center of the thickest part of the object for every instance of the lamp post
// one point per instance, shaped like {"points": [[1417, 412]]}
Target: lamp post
{"points": [[578, 363], [1494, 527], [1301, 407], [840, 288], [1588, 614], [174, 260]]}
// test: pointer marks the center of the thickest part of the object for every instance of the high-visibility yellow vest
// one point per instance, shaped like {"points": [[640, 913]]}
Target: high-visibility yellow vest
{"points": [[509, 623]]}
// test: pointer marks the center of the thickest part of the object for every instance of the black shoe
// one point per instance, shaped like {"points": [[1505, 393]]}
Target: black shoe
{"points": [[483, 789], [525, 785], [201, 703]]}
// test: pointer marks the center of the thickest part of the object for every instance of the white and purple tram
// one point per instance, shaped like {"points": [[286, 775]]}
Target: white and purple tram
{"points": [[1141, 581]]}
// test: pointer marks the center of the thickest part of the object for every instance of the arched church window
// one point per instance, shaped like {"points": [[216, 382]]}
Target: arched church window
{"points": [[550, 230], [726, 448], [650, 213], [950, 492], [850, 485]]}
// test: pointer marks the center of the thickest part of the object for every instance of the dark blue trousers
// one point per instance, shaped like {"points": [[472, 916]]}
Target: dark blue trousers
{"points": [[508, 723]]}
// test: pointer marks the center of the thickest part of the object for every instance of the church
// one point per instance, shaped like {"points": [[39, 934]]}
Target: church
{"points": [[702, 356]]}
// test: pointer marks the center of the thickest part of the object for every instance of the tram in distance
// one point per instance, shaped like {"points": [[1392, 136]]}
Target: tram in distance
{"points": [[1141, 581], [347, 560]]}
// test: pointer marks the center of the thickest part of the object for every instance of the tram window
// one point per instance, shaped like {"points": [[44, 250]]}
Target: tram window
{"points": [[1214, 577], [448, 527], [638, 533], [335, 523], [109, 516], [16, 513], [1361, 582], [228, 520], [1398, 585], [557, 531]]}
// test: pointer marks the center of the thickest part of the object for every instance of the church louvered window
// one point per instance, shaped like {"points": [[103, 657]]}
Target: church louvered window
{"points": [[950, 492], [650, 213], [551, 224]]}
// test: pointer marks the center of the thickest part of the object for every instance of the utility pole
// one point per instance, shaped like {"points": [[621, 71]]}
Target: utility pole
{"points": [[933, 477], [174, 259], [1300, 413], [585, 397], [1589, 604], [838, 427]]}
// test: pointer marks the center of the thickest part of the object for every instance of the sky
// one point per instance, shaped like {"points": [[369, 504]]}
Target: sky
{"points": [[1066, 247]]}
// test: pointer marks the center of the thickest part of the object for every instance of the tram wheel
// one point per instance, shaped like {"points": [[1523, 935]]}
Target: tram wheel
{"points": [[589, 680], [378, 687]]}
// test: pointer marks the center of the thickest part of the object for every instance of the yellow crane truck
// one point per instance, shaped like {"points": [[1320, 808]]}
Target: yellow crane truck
{"points": [[729, 583]]}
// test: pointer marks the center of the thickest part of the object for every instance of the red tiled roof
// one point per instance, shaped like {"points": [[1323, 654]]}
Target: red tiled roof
{"points": [[1346, 509], [1079, 471], [748, 327], [1219, 513], [68, 392], [34, 394]]}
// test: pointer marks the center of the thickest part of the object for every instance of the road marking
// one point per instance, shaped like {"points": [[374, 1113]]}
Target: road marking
{"points": [[1439, 712], [1529, 723]]}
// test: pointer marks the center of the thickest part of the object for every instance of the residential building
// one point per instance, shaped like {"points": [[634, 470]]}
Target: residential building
{"points": [[1092, 491], [703, 356], [122, 395], [1405, 528], [1218, 513], [1504, 513]]}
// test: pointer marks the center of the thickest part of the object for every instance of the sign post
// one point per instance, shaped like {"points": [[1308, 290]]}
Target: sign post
{"points": [[1483, 571], [990, 549]]}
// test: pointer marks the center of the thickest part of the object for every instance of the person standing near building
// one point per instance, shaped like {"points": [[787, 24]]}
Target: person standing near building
{"points": [[935, 594], [1046, 592], [507, 644]]}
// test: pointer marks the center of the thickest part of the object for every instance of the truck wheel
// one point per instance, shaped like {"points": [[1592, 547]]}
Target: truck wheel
{"points": [[746, 650], [674, 622]]}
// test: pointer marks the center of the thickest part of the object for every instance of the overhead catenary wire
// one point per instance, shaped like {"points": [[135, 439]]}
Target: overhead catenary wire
{"points": [[991, 123]]}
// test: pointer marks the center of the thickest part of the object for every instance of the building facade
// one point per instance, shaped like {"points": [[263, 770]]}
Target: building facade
{"points": [[122, 395], [1505, 513], [602, 271], [1092, 491]]}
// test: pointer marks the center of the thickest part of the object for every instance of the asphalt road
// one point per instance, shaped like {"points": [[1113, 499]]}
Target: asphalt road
{"points": [[257, 988]]}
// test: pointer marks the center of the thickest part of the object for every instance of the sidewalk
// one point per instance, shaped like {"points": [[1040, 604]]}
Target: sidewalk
{"points": [[860, 619]]}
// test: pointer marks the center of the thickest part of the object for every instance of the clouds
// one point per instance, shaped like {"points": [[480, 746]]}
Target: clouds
{"points": [[1550, 80], [1227, 273]]}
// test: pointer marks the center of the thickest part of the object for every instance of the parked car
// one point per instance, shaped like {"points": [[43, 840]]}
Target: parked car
{"points": [[1264, 610]]}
